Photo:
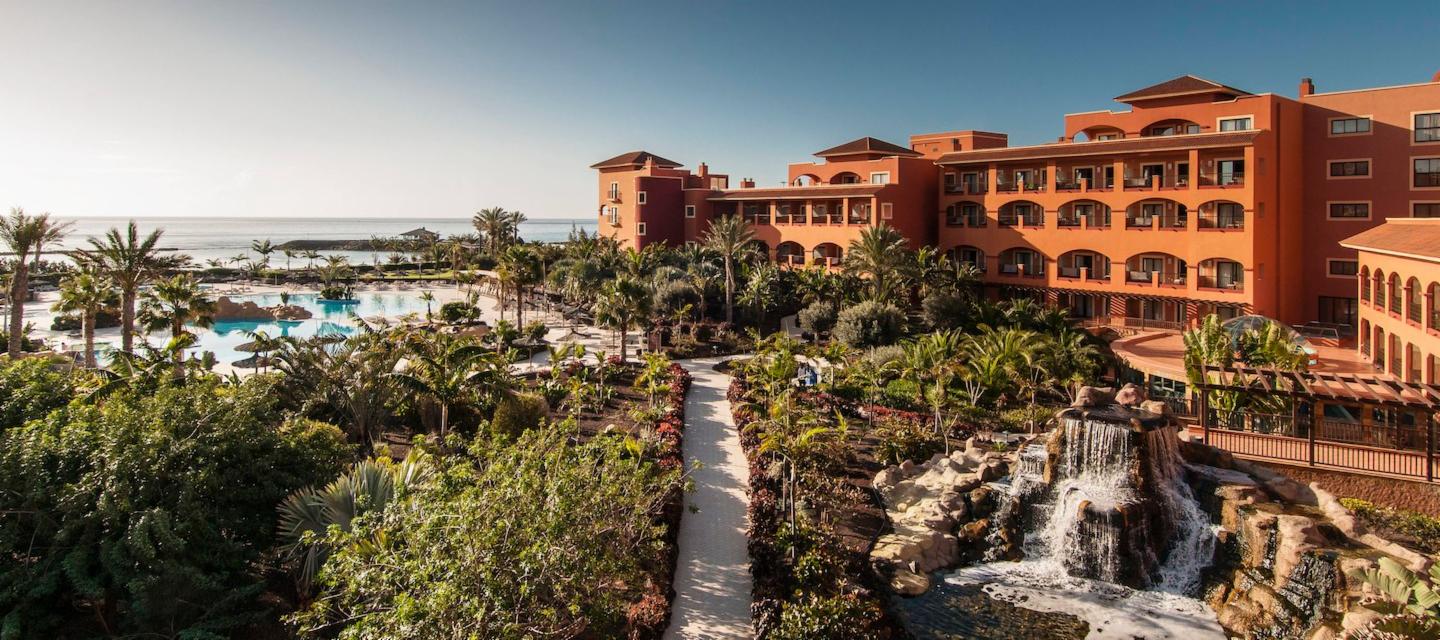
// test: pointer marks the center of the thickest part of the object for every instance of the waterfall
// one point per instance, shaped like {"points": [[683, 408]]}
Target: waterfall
{"points": [[1193, 545], [1072, 535]]}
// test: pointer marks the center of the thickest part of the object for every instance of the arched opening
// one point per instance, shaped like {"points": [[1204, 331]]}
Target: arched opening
{"points": [[1413, 362], [805, 180], [790, 253], [1022, 214], [1365, 338], [1094, 134], [966, 254], [845, 177], [1413, 305], [755, 212], [1393, 292], [1084, 263], [1221, 273], [828, 253], [1156, 268], [1379, 283], [1397, 362], [1365, 284], [965, 214], [761, 249], [1084, 213], [1432, 368], [1378, 357], [1022, 261], [1222, 214], [1156, 213], [790, 213], [1171, 127], [1432, 300]]}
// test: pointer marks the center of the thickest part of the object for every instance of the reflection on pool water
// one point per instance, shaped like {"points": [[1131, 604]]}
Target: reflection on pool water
{"points": [[330, 318]]}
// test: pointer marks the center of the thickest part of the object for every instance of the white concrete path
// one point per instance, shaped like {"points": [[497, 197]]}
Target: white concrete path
{"points": [[712, 576]]}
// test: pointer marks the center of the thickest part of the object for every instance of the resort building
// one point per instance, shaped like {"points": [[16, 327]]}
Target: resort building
{"points": [[1197, 198], [1399, 293]]}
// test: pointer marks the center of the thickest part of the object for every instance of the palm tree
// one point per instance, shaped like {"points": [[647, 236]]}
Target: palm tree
{"points": [[447, 371], [289, 253], [519, 268], [731, 238], [174, 303], [882, 254], [931, 360], [311, 256], [129, 262], [428, 298], [623, 302], [86, 293], [759, 292], [498, 227], [24, 236]]}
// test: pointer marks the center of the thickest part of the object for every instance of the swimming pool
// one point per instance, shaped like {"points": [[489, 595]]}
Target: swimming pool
{"points": [[330, 318]]}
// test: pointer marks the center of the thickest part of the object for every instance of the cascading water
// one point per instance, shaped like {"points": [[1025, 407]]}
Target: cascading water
{"points": [[1103, 511]]}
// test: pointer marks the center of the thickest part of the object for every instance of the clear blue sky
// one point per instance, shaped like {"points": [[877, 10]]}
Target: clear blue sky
{"points": [[318, 108]]}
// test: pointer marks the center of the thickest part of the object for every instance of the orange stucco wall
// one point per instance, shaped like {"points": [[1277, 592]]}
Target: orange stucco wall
{"points": [[1422, 364]]}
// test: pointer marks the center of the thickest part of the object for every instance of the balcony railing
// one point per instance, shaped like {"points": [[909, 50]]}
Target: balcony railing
{"points": [[1222, 180], [1212, 221], [1160, 278], [965, 189], [1225, 284], [1085, 273], [1022, 270]]}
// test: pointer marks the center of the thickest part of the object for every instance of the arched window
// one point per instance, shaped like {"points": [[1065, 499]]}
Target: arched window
{"points": [[1222, 214], [1365, 285], [1394, 294], [1397, 362], [1413, 362], [1379, 289], [1378, 357], [1365, 338], [1028, 214], [1413, 306], [1433, 300], [790, 253]]}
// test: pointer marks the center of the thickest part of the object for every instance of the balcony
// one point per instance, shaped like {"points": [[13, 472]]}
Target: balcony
{"points": [[1222, 180], [1156, 278], [613, 196], [1221, 284]]}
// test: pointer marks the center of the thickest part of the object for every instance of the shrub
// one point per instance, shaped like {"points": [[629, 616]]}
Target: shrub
{"points": [[534, 331], [457, 311], [1021, 419], [819, 317], [672, 296], [903, 394], [1425, 529], [519, 413], [944, 310], [870, 324], [105, 319], [903, 440], [29, 389], [826, 618]]}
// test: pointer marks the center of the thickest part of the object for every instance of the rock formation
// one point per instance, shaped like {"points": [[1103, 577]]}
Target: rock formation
{"points": [[227, 309]]}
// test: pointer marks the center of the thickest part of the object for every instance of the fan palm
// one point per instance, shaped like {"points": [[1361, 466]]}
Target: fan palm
{"points": [[25, 236], [446, 371], [731, 238], [129, 262], [86, 293]]}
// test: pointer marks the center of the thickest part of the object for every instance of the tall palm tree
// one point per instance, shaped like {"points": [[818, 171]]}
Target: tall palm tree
{"points": [[931, 361], [175, 303], [289, 254], [623, 303], [26, 237], [129, 262], [497, 226], [519, 268], [731, 238], [883, 255], [86, 293], [311, 256]]}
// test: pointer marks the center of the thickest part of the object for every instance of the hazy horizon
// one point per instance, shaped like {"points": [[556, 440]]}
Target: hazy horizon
{"points": [[330, 109]]}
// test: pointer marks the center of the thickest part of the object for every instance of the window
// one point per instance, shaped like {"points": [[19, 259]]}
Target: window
{"points": [[689, 211], [1352, 210], [1346, 126], [1427, 127], [614, 214], [949, 181], [640, 197], [1427, 172], [614, 191], [1235, 124], [1107, 136], [1349, 168], [1230, 215], [640, 229], [820, 212], [880, 177], [1335, 310], [1174, 129], [1229, 275], [887, 211], [1425, 210], [719, 183], [1343, 268], [1231, 172]]}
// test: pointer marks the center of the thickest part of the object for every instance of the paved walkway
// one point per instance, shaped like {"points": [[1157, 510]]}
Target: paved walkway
{"points": [[712, 576]]}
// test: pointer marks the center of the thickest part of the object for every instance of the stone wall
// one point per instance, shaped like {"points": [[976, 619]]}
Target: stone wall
{"points": [[1395, 493]]}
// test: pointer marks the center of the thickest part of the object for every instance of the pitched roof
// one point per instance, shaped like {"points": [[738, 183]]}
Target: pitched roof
{"points": [[635, 159], [868, 146], [1182, 86], [799, 193], [422, 231], [1103, 147], [1407, 237]]}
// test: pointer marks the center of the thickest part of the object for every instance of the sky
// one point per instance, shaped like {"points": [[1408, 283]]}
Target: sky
{"points": [[314, 108]]}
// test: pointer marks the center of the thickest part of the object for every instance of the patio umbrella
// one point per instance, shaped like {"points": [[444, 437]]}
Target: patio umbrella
{"points": [[249, 347]]}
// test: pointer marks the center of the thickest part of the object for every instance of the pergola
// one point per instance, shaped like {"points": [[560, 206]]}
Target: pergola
{"points": [[1377, 391]]}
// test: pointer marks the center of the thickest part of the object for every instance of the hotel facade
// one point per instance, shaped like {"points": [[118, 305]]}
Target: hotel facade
{"points": [[1197, 198]]}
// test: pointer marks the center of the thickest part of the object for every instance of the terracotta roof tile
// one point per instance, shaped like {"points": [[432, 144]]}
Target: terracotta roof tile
{"points": [[1181, 86], [868, 145], [1103, 147], [634, 159], [1412, 237]]}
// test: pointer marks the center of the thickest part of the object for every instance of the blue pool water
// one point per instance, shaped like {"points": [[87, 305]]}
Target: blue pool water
{"points": [[330, 318]]}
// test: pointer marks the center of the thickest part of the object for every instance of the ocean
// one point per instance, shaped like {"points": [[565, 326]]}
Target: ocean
{"points": [[206, 239]]}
